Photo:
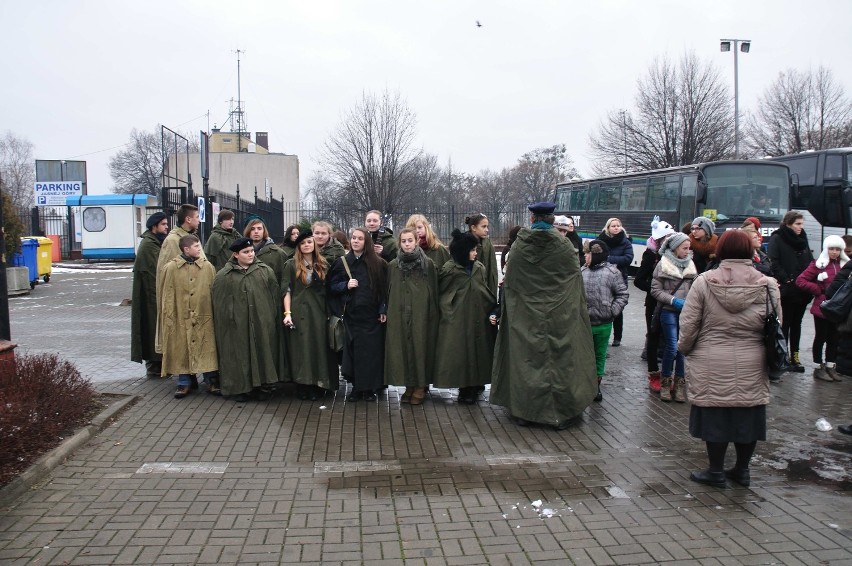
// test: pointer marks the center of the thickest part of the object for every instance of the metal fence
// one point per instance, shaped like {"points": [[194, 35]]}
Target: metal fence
{"points": [[270, 210], [53, 221], [443, 219]]}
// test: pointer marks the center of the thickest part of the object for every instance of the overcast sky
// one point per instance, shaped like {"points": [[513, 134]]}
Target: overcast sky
{"points": [[78, 76]]}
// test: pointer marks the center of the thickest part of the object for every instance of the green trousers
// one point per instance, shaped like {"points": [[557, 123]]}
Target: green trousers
{"points": [[600, 338]]}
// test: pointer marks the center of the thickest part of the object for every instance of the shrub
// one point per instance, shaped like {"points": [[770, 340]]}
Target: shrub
{"points": [[41, 398]]}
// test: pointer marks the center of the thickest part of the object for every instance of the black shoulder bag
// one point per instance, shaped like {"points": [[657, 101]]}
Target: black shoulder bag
{"points": [[773, 339]]}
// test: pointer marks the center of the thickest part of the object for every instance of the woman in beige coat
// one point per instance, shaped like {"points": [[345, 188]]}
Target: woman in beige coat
{"points": [[721, 335]]}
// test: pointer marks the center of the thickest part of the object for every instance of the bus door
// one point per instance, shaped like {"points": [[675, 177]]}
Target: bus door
{"points": [[688, 209]]}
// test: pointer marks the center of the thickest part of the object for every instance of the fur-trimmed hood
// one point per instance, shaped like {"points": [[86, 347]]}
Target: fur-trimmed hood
{"points": [[670, 270]]}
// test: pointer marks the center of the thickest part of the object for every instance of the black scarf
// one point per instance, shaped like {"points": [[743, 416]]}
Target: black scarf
{"points": [[415, 261], [790, 238], [612, 241]]}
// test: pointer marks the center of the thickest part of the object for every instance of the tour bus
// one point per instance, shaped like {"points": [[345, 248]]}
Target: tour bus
{"points": [[824, 192], [727, 192]]}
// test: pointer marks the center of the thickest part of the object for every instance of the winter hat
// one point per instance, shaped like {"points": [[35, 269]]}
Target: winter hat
{"points": [[705, 224], [240, 244], [561, 221], [155, 219], [753, 220], [832, 242], [303, 236], [660, 228], [461, 245], [672, 242], [598, 249]]}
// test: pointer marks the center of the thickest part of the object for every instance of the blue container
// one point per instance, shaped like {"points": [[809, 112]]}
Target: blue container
{"points": [[28, 257]]}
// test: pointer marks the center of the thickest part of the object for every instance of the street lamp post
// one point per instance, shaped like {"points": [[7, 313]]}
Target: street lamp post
{"points": [[744, 46]]}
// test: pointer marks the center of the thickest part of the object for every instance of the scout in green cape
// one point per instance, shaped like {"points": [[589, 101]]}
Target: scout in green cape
{"points": [[478, 225], [412, 319], [468, 322], [313, 366], [217, 249], [143, 316], [428, 240]]}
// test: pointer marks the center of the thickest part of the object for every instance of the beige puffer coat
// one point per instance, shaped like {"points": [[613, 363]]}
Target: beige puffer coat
{"points": [[666, 283], [721, 335]]}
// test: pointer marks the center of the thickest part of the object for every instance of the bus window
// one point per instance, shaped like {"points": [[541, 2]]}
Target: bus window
{"points": [[738, 190], [833, 167], [609, 196], [563, 196], [687, 199], [663, 193], [634, 195], [579, 198], [849, 169], [592, 198]]}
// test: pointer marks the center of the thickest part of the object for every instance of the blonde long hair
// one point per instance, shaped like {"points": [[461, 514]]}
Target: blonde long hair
{"points": [[432, 240], [319, 263]]}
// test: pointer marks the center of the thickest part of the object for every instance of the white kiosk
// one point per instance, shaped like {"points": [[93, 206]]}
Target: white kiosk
{"points": [[110, 225]]}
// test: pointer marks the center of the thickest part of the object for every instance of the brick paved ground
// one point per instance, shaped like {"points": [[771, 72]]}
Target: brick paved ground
{"points": [[341, 483]]}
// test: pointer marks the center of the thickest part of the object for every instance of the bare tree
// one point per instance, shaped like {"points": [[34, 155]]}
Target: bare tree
{"points": [[371, 155], [683, 115], [17, 167], [538, 171], [801, 111], [138, 168]]}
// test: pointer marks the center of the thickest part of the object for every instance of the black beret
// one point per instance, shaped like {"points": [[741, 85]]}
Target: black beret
{"points": [[542, 208], [240, 244], [155, 219], [303, 236]]}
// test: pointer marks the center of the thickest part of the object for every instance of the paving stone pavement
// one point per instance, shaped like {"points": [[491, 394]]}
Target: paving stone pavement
{"points": [[206, 480]]}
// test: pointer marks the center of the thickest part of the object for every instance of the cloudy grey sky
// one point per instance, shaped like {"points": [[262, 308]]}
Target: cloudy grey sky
{"points": [[77, 76]]}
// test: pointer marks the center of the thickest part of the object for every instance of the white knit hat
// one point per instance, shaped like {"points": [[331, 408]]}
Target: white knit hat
{"points": [[832, 242], [660, 228]]}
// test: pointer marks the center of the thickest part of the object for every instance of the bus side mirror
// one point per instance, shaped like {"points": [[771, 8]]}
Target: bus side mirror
{"points": [[794, 187]]}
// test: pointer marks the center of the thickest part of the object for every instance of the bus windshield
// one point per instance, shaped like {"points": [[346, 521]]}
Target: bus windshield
{"points": [[736, 191]]}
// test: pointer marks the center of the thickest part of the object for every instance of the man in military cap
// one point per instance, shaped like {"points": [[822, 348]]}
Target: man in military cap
{"points": [[143, 314], [544, 363]]}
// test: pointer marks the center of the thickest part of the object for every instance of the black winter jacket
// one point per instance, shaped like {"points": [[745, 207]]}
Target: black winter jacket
{"points": [[789, 255]]}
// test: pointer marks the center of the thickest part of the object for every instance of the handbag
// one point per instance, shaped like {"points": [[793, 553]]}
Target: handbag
{"points": [[836, 309], [656, 325], [774, 340], [335, 323]]}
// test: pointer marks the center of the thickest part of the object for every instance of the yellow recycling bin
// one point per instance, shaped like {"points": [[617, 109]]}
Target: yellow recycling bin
{"points": [[44, 259]]}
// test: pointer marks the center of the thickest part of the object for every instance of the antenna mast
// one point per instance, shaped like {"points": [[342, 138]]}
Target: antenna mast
{"points": [[239, 112]]}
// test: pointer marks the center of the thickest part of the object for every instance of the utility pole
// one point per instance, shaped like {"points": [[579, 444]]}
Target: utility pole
{"points": [[744, 46], [5, 326], [624, 134], [239, 106]]}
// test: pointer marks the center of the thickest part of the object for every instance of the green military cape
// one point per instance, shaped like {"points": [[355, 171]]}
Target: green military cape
{"points": [[544, 363], [247, 318], [311, 360], [288, 251], [218, 246], [274, 257], [332, 251], [143, 314], [465, 336], [171, 247], [486, 255], [412, 325], [439, 255]]}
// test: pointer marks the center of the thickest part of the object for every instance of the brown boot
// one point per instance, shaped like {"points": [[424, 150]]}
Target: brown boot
{"points": [[406, 397], [418, 395], [666, 389], [679, 389], [821, 373], [831, 370]]}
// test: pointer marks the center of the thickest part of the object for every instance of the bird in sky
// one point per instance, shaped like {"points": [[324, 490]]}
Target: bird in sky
{"points": [[479, 25]]}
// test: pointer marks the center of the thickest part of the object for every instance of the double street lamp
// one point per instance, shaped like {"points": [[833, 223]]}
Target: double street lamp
{"points": [[744, 46]]}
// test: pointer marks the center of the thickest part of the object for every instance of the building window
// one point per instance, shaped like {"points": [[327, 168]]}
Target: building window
{"points": [[94, 219]]}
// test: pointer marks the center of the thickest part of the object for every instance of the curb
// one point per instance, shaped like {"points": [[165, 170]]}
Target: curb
{"points": [[47, 463]]}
